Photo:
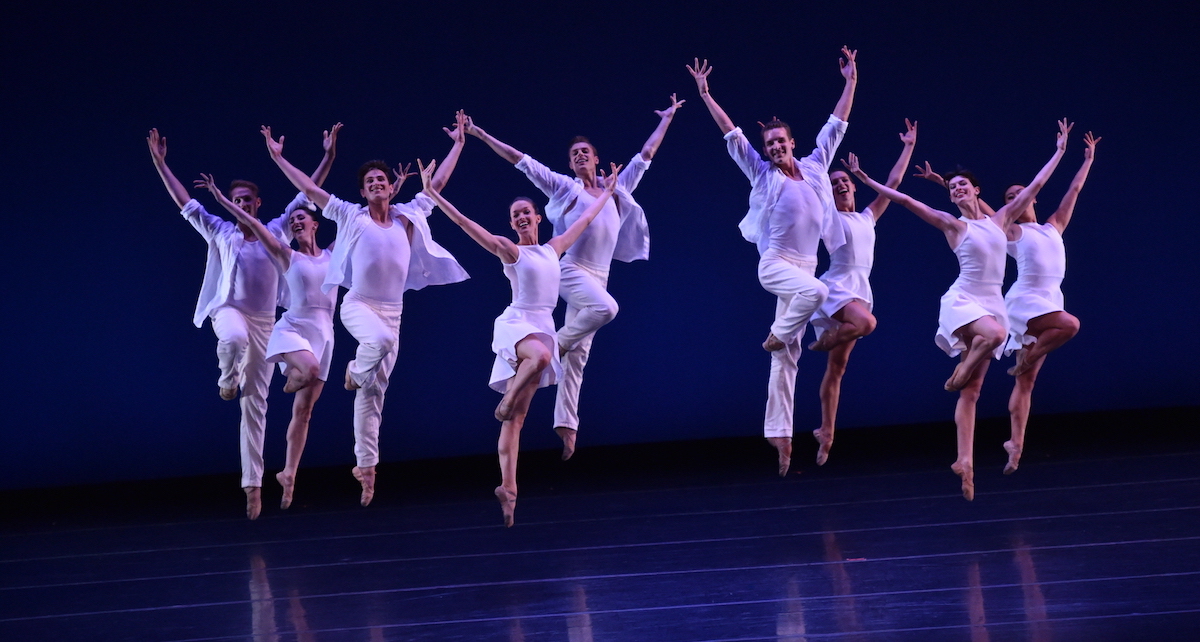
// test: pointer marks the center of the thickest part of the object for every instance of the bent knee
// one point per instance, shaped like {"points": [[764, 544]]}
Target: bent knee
{"points": [[868, 324], [1070, 324], [606, 311]]}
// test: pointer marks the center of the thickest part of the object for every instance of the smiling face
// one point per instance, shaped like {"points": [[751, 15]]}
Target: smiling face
{"points": [[246, 199], [843, 190], [779, 146], [1011, 193], [302, 224], [583, 158], [523, 217], [961, 190], [376, 186]]}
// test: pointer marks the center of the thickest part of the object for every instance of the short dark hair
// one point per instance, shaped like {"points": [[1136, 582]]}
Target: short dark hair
{"points": [[243, 183], [965, 173], [582, 139], [775, 123], [370, 165], [537, 209], [1010, 186]]}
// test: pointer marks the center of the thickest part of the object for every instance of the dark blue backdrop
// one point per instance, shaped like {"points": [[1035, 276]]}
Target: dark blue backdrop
{"points": [[105, 378]]}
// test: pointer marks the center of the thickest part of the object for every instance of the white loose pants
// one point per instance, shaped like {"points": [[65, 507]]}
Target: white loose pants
{"points": [[589, 306], [789, 277], [376, 326], [242, 358]]}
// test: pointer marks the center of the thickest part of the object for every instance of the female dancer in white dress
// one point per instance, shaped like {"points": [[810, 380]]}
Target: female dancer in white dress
{"points": [[524, 337], [972, 322], [845, 316], [1037, 322], [302, 340]]}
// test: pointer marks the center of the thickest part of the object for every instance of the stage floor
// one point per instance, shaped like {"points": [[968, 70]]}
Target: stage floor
{"points": [[665, 542]]}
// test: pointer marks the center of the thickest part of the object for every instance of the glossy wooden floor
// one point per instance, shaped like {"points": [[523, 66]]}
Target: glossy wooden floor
{"points": [[1096, 537]]}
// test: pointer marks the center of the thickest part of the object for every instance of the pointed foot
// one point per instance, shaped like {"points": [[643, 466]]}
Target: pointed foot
{"points": [[365, 477], [773, 343], [967, 473], [824, 443], [253, 501], [350, 383], [1014, 457], [783, 445], [568, 438], [288, 482], [508, 504]]}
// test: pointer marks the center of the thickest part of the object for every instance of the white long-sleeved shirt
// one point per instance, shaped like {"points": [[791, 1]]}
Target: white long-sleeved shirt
{"points": [[225, 241], [766, 184], [568, 200], [429, 263]]}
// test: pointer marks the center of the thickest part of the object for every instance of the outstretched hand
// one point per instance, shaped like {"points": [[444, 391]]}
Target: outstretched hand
{"points": [[275, 148], [610, 181], [1089, 152], [928, 174], [909, 137], [1064, 129], [427, 176], [848, 64], [206, 182], [329, 144], [670, 111], [402, 174], [158, 146], [851, 165], [700, 71], [458, 133]]}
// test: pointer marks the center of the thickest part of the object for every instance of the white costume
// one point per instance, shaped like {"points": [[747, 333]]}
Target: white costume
{"points": [[976, 292], [1041, 266], [308, 322], [534, 278], [240, 293], [618, 232], [786, 220], [849, 273], [378, 265]]}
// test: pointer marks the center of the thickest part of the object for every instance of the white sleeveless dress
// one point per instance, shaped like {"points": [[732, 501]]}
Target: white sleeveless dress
{"points": [[976, 292], [308, 322], [849, 273], [1041, 266], [534, 278]]}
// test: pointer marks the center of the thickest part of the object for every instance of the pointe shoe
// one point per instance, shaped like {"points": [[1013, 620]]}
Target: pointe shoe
{"points": [[1022, 364], [954, 384], [297, 382], [824, 344], [1014, 457], [967, 473], [253, 501], [773, 343], [784, 446], [823, 447], [289, 484], [350, 383], [228, 394], [508, 504], [503, 409], [568, 438], [366, 477]]}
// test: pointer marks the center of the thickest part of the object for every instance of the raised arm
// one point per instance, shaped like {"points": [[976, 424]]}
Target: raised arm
{"points": [[909, 139], [446, 167], [507, 152], [564, 241], [298, 178], [700, 73], [403, 173], [329, 143], [656, 137], [1062, 216], [498, 245], [849, 67], [944, 221], [280, 252], [158, 154], [1011, 210]]}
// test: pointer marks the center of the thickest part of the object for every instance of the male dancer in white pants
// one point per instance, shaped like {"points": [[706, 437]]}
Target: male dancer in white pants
{"points": [[618, 232], [240, 294], [791, 209], [381, 251]]}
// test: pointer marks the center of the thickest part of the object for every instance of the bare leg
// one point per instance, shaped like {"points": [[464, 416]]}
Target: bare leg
{"points": [[854, 321], [1018, 410], [982, 336], [253, 501], [532, 359], [1052, 330], [509, 446], [831, 390], [297, 436], [301, 371]]}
